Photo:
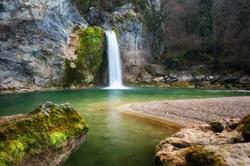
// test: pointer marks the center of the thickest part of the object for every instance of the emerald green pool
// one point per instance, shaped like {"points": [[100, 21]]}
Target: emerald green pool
{"points": [[115, 138]]}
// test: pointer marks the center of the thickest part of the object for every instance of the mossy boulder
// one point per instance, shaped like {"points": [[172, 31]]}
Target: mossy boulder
{"points": [[45, 136], [197, 155], [90, 57]]}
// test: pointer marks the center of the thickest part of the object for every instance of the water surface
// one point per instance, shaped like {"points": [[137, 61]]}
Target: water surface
{"points": [[114, 138]]}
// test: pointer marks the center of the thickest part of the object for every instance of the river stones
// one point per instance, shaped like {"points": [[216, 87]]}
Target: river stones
{"points": [[219, 143]]}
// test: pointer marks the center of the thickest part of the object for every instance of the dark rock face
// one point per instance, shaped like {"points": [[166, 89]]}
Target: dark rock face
{"points": [[46, 136], [33, 35]]}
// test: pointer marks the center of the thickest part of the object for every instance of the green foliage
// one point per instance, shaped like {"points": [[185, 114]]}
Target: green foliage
{"points": [[92, 48], [57, 138], [38, 132], [90, 55], [197, 155]]}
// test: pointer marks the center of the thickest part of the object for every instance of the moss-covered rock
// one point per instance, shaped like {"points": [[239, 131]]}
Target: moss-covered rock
{"points": [[45, 136], [90, 57], [197, 155]]}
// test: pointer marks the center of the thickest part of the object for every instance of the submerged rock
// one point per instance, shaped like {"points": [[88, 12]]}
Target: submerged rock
{"points": [[43, 137], [219, 143]]}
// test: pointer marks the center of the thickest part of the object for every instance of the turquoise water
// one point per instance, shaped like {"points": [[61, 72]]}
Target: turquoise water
{"points": [[114, 138]]}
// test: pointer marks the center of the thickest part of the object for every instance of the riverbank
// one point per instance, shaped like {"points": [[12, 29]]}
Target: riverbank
{"points": [[187, 112]]}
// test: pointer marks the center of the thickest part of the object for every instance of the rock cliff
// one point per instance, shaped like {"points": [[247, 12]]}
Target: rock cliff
{"points": [[162, 43], [33, 35]]}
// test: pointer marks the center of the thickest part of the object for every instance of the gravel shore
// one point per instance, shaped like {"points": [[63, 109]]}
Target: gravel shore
{"points": [[194, 111]]}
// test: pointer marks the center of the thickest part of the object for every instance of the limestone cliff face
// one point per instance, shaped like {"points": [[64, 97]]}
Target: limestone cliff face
{"points": [[134, 45], [33, 34], [132, 35]]}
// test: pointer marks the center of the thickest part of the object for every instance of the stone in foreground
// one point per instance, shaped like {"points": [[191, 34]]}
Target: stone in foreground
{"points": [[46, 136], [216, 144]]}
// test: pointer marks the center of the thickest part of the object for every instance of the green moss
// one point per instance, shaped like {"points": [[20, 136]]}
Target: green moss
{"points": [[17, 148], [197, 155], [57, 138], [4, 159], [92, 48], [90, 55], [38, 132]]}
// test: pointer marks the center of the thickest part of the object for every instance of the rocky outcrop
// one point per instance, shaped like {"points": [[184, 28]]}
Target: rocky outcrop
{"points": [[134, 45], [218, 143], [33, 35], [43, 137], [197, 76]]}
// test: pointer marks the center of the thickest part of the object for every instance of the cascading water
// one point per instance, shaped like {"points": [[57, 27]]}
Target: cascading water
{"points": [[114, 60]]}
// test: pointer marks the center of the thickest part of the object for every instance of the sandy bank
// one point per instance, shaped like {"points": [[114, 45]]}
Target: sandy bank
{"points": [[186, 112]]}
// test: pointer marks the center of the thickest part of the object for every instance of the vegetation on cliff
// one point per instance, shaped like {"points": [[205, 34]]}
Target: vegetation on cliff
{"points": [[90, 56], [46, 130]]}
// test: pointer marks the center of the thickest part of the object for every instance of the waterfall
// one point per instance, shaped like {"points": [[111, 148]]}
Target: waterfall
{"points": [[114, 60]]}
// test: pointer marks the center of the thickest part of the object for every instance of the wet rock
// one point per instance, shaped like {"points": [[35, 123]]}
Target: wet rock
{"points": [[46, 136], [145, 77], [159, 80], [95, 16]]}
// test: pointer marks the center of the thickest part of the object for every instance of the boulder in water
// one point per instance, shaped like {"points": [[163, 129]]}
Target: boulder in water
{"points": [[43, 137]]}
